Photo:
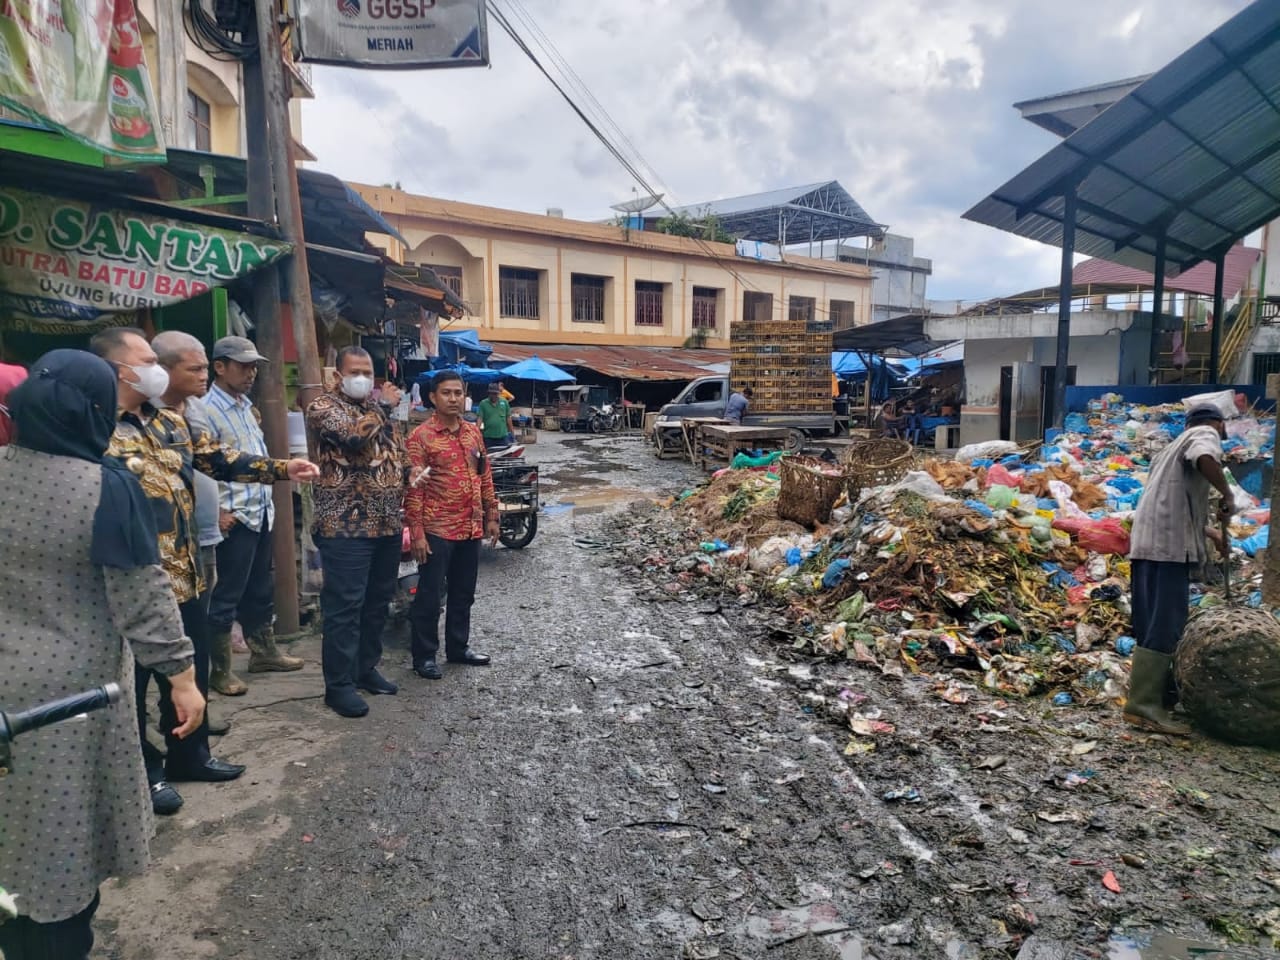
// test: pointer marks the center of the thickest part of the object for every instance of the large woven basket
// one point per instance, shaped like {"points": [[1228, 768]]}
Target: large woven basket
{"points": [[874, 463], [807, 493]]}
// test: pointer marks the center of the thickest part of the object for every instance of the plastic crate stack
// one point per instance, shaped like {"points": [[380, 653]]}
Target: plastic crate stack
{"points": [[786, 364]]}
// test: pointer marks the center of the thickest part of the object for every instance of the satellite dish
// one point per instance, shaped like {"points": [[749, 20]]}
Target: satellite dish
{"points": [[639, 204]]}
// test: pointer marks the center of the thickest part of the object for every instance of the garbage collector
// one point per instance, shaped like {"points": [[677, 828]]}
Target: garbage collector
{"points": [[736, 408], [1167, 543]]}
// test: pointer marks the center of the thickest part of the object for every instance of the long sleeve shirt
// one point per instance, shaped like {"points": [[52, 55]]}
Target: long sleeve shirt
{"points": [[163, 452], [363, 468], [235, 422], [457, 498]]}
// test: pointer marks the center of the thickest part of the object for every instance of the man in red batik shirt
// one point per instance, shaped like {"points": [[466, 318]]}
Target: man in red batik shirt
{"points": [[450, 507]]}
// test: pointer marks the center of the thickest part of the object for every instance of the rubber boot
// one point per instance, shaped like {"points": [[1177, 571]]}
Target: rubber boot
{"points": [[218, 724], [220, 676], [264, 657], [1145, 707]]}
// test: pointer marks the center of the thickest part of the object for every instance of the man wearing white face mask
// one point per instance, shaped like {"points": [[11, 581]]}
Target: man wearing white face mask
{"points": [[358, 526], [162, 450]]}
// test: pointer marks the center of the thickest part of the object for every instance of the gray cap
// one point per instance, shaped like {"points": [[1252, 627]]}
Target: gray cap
{"points": [[239, 349], [1205, 411]]}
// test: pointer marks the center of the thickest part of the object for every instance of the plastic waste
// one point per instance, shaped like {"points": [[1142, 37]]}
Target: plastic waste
{"points": [[1062, 699], [999, 475], [714, 546], [743, 461], [989, 449], [1106, 535], [1000, 497], [1251, 545], [1125, 645], [835, 572]]}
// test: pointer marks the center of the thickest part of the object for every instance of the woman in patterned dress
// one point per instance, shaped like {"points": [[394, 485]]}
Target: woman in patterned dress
{"points": [[82, 594]]}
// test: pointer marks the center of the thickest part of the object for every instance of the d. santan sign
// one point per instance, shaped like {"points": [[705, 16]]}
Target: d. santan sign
{"points": [[70, 260]]}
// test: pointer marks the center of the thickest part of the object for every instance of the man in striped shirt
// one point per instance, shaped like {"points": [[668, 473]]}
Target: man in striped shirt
{"points": [[245, 588]]}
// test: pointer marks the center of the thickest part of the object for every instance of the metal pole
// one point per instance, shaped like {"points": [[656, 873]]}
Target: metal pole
{"points": [[279, 142], [1058, 410], [1215, 337], [267, 316], [1157, 309]]}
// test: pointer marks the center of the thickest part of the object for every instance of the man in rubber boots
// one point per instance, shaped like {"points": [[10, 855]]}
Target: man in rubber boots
{"points": [[450, 507], [1166, 545], [245, 587]]}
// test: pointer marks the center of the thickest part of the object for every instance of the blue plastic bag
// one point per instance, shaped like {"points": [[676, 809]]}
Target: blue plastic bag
{"points": [[979, 507], [1125, 645], [835, 573]]}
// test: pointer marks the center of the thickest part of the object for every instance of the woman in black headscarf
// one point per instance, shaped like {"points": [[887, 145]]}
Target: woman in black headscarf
{"points": [[81, 595]]}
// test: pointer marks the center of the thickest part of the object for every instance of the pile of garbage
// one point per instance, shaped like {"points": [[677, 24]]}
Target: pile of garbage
{"points": [[1001, 570]]}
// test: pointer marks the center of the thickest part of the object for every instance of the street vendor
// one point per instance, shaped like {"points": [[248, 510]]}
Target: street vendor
{"points": [[1166, 545]]}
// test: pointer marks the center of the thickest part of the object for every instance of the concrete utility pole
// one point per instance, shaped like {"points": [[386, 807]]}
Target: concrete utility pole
{"points": [[171, 72]]}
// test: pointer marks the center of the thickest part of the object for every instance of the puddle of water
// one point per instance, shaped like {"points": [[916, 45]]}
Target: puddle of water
{"points": [[1162, 946]]}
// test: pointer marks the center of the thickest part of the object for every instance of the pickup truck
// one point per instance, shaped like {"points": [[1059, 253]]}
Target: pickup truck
{"points": [[708, 396]]}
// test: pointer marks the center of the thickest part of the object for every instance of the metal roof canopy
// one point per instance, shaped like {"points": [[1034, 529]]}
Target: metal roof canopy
{"points": [[905, 334], [792, 215], [1191, 155]]}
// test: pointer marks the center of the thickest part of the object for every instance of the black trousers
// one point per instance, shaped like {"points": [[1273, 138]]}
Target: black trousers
{"points": [[245, 590], [455, 563], [70, 939], [359, 582], [1161, 592], [194, 750]]}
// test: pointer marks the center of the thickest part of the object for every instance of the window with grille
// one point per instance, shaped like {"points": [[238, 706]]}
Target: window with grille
{"points": [[1263, 364], [587, 293], [757, 307], [518, 293], [843, 314], [451, 277], [705, 303], [199, 113], [648, 304], [801, 309]]}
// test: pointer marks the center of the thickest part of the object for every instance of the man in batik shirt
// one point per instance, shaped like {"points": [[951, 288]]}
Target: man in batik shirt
{"points": [[450, 508]]}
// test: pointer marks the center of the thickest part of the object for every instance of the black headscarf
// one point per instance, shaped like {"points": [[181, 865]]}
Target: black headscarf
{"points": [[67, 407]]}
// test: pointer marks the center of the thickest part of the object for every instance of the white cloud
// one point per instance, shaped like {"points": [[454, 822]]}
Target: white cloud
{"points": [[906, 102]]}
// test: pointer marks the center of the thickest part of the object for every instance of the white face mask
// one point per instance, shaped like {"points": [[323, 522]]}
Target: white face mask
{"points": [[152, 382], [358, 387]]}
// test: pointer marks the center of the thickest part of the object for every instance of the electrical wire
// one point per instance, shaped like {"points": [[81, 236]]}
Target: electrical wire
{"points": [[630, 167], [203, 29]]}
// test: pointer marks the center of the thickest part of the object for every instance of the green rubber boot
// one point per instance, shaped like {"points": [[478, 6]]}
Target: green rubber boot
{"points": [[1148, 679]]}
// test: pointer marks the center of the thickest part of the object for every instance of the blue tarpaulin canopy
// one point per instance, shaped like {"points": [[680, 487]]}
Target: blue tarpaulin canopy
{"points": [[538, 369], [469, 374]]}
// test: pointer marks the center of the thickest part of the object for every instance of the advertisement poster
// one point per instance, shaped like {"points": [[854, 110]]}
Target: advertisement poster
{"points": [[393, 34], [65, 263], [78, 67]]}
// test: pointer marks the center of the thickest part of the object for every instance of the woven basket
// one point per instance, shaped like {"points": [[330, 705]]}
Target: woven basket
{"points": [[807, 494], [874, 463]]}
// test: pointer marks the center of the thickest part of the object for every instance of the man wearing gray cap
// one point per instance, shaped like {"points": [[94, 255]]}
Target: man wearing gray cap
{"points": [[245, 588], [1166, 545]]}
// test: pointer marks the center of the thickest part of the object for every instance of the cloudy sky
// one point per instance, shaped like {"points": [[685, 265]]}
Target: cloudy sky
{"points": [[906, 102]]}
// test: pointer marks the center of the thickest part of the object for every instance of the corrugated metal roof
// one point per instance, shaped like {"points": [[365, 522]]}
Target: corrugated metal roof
{"points": [[625, 363], [1199, 279], [1195, 149], [812, 211]]}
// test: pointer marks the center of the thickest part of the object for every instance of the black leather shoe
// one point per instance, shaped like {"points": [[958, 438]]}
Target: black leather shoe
{"points": [[165, 801], [212, 770], [375, 683], [470, 658], [346, 702], [428, 670]]}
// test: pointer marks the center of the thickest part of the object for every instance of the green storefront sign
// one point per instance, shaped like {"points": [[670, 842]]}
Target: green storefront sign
{"points": [[78, 66], [68, 264]]}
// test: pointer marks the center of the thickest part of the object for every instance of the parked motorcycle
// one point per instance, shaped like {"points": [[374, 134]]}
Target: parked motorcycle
{"points": [[516, 484], [605, 419]]}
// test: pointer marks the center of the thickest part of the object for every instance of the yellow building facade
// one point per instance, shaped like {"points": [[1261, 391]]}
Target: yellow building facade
{"points": [[528, 278]]}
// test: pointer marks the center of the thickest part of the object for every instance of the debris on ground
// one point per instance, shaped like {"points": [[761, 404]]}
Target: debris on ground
{"points": [[1006, 566]]}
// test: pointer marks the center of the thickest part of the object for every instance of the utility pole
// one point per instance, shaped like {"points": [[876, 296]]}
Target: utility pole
{"points": [[267, 316], [278, 145]]}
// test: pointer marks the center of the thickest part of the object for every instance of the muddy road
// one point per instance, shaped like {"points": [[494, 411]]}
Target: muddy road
{"points": [[645, 774]]}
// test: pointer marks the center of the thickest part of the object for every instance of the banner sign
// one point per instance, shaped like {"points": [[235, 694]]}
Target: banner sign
{"points": [[77, 66], [393, 34], [69, 263]]}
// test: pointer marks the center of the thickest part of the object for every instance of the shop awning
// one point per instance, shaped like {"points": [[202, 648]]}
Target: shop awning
{"points": [[422, 284], [904, 335]]}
